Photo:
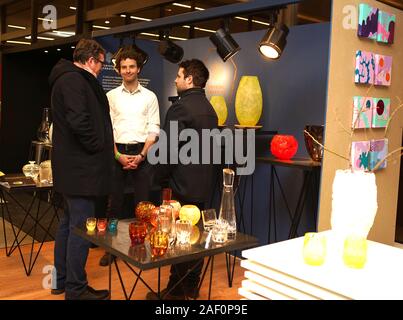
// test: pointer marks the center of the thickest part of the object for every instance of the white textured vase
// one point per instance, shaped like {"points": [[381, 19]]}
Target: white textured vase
{"points": [[354, 203]]}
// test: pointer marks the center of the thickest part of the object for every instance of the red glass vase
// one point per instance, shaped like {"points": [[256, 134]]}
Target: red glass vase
{"points": [[284, 147]]}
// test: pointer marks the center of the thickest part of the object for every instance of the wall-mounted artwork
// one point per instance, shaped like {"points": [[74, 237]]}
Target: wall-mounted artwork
{"points": [[363, 111], [386, 27], [380, 112], [364, 67], [367, 21], [360, 155], [378, 152], [383, 70]]}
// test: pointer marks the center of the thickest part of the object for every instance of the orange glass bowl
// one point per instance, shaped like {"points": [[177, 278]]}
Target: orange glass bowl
{"points": [[283, 147]]}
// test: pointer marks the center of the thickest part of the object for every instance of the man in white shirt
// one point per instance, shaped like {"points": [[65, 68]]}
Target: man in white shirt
{"points": [[135, 119]]}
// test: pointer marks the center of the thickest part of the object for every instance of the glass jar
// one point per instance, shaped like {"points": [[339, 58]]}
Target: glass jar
{"points": [[31, 170], [45, 172]]}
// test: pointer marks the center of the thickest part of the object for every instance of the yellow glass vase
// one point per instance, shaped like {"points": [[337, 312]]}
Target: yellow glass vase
{"points": [[220, 107], [248, 101]]}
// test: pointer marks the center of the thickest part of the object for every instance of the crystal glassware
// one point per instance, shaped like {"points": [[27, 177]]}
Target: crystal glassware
{"points": [[183, 231], [31, 170], [227, 208], [44, 127], [45, 172], [209, 219]]}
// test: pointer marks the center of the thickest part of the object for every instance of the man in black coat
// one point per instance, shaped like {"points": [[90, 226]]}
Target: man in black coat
{"points": [[82, 159], [190, 183]]}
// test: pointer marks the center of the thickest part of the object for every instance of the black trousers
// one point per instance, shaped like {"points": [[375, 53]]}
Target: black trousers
{"points": [[190, 283], [129, 186]]}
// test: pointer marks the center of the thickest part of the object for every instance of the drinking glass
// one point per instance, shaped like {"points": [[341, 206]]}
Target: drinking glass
{"points": [[355, 252], [314, 250], [91, 224], [113, 225], [101, 224], [166, 222], [137, 232], [209, 219], [220, 231], [183, 231], [159, 243]]}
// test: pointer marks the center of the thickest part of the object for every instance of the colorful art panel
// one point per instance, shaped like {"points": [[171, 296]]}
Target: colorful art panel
{"points": [[367, 21], [364, 67], [362, 114], [380, 112], [378, 152], [383, 70], [386, 27], [360, 155]]}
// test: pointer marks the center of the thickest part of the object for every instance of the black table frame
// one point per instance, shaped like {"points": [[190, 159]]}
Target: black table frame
{"points": [[310, 185], [36, 216]]}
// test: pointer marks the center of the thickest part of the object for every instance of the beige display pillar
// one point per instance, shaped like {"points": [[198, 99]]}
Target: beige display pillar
{"points": [[341, 90]]}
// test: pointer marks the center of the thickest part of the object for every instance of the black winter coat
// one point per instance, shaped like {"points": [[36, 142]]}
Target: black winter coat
{"points": [[189, 182], [82, 155]]}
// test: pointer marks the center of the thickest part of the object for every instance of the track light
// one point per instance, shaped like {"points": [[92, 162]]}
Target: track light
{"points": [[274, 41], [140, 51], [225, 44], [170, 51]]}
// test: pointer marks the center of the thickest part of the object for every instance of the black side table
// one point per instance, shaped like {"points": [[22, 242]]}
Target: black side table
{"points": [[12, 184], [310, 185]]}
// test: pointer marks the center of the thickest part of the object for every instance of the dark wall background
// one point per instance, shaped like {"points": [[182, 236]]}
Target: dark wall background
{"points": [[25, 93]]}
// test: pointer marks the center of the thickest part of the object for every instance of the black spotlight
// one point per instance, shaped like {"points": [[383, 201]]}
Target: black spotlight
{"points": [[274, 41], [143, 54], [225, 44], [170, 51]]}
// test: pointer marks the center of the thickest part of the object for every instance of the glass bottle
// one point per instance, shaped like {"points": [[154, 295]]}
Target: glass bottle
{"points": [[43, 130], [227, 208]]}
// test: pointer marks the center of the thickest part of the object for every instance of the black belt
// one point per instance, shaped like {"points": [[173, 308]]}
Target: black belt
{"points": [[130, 147]]}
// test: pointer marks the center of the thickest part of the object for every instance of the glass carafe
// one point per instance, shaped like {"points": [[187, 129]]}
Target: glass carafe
{"points": [[43, 130], [227, 208]]}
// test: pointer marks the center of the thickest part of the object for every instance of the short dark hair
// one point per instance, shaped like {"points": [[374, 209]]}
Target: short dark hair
{"points": [[129, 53], [197, 70], [85, 49]]}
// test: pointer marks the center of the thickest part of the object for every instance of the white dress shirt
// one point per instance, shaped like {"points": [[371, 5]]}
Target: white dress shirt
{"points": [[135, 115]]}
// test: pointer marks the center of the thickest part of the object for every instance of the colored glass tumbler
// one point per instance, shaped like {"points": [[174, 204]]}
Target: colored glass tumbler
{"points": [[113, 225], [355, 252], [314, 250], [159, 243], [101, 224], [137, 232], [91, 224]]}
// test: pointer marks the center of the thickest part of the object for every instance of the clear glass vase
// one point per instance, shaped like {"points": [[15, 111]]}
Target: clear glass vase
{"points": [[44, 127], [227, 208], [31, 170]]}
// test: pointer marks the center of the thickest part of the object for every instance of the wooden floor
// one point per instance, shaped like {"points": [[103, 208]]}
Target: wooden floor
{"points": [[15, 285]]}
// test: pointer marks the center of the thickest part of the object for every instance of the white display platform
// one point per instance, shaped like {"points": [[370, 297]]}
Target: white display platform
{"points": [[277, 271]]}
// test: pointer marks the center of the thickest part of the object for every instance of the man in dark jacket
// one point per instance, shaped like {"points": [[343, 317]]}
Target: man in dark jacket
{"points": [[190, 183], [82, 159]]}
